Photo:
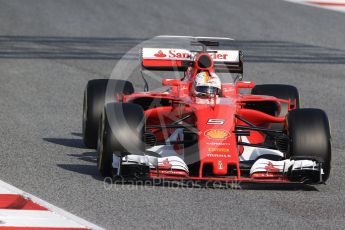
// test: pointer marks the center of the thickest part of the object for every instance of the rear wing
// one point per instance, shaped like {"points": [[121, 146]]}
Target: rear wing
{"points": [[180, 59]]}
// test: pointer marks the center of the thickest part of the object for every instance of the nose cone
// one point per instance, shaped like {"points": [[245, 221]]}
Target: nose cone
{"points": [[217, 142]]}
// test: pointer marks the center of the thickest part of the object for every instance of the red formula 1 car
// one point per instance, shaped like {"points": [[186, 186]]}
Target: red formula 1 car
{"points": [[195, 131]]}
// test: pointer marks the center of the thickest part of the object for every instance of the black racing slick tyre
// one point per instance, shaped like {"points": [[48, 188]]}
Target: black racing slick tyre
{"points": [[121, 132], [285, 92], [96, 94], [104, 149], [310, 137]]}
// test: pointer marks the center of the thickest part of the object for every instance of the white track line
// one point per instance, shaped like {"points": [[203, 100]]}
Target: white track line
{"points": [[62, 217]]}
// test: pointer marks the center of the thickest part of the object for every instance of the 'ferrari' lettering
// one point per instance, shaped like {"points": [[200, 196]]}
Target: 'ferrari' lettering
{"points": [[220, 165]]}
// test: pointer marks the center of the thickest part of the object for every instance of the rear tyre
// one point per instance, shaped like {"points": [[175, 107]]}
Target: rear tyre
{"points": [[310, 137], [286, 92], [121, 133], [95, 96]]}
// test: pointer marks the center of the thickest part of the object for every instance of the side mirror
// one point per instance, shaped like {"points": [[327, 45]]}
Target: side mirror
{"points": [[171, 82]]}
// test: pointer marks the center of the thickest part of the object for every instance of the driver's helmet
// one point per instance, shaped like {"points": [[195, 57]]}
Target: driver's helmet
{"points": [[207, 84]]}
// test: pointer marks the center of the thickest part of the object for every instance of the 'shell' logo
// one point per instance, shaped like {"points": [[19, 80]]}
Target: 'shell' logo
{"points": [[217, 134], [160, 54]]}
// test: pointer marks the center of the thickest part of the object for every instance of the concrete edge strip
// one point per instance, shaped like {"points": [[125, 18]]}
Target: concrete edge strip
{"points": [[58, 213]]}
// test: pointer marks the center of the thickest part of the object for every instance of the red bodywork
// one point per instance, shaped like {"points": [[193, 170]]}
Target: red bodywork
{"points": [[215, 121]]}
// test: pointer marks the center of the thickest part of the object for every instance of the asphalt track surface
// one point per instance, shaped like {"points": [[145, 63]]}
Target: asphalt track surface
{"points": [[50, 49]]}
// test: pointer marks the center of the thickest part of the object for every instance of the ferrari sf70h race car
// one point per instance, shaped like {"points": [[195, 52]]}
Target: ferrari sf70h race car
{"points": [[237, 132]]}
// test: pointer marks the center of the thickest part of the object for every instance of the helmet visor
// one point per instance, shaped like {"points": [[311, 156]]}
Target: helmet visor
{"points": [[207, 90]]}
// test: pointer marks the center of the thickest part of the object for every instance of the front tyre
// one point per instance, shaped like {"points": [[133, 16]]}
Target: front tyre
{"points": [[104, 149], [121, 132], [310, 137]]}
